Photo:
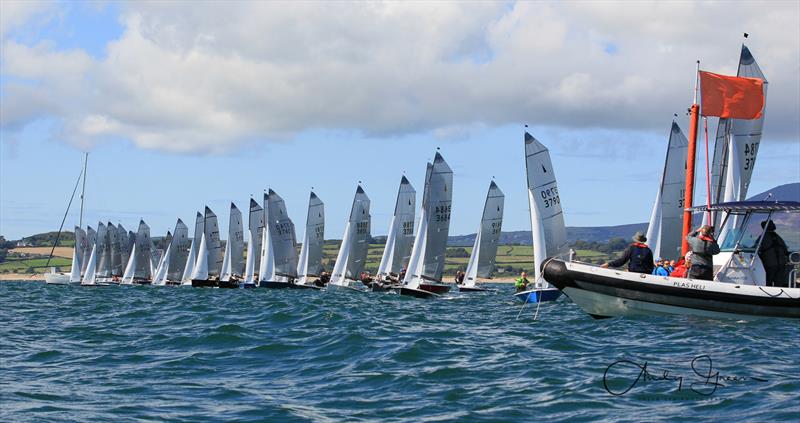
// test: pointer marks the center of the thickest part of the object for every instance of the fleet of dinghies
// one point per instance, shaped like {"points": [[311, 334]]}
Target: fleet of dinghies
{"points": [[413, 260]]}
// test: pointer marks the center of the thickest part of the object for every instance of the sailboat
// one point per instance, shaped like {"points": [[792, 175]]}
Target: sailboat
{"points": [[281, 246], [209, 260], [139, 269], [738, 289], [399, 239], [103, 269], [233, 259], [89, 278], [160, 274], [484, 251], [310, 262], [746, 135], [547, 219], [426, 265], [664, 230], [255, 229], [352, 254], [79, 249], [191, 259]]}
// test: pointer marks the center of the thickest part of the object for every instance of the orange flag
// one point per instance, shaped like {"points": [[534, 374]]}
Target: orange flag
{"points": [[731, 96]]}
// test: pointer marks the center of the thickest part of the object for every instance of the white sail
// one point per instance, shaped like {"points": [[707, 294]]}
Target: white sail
{"points": [[413, 276], [91, 240], [266, 271], [191, 259], [160, 274], [75, 271], [89, 278], [255, 227], [666, 219], [234, 248], [746, 134], [283, 240], [211, 235], [484, 251], [352, 254], [733, 180], [127, 276], [310, 261], [200, 271], [547, 219], [400, 237]]}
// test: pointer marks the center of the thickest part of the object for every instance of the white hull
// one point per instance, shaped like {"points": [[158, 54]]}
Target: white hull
{"points": [[56, 279]]}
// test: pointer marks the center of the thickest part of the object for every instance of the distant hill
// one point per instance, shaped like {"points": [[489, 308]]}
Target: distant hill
{"points": [[786, 192]]}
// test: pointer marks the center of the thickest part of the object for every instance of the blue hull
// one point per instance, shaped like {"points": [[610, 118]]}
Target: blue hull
{"points": [[542, 295]]}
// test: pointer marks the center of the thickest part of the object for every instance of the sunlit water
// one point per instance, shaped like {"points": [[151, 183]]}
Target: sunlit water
{"points": [[147, 353]]}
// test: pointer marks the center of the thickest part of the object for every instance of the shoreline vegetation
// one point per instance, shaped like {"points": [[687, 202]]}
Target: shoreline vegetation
{"points": [[28, 263]]}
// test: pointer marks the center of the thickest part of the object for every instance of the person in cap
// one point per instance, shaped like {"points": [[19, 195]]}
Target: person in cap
{"points": [[704, 247], [661, 268], [638, 256], [774, 255]]}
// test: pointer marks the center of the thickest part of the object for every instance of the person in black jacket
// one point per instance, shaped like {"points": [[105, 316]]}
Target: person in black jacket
{"points": [[774, 255], [638, 256]]}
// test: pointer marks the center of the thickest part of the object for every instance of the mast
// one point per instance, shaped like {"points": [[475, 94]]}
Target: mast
{"points": [[694, 118], [83, 189]]}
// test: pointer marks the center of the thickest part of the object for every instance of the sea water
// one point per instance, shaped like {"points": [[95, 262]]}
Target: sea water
{"points": [[125, 353]]}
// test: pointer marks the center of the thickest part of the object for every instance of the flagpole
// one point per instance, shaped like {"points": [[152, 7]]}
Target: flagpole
{"points": [[694, 116]]}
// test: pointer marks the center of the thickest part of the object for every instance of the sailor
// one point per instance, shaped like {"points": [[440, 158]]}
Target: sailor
{"points": [[703, 247], [522, 282], [774, 255], [670, 265], [661, 269], [459, 277], [682, 266], [637, 255]]}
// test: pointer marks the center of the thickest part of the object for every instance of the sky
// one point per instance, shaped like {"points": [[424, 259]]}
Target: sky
{"points": [[181, 107]]}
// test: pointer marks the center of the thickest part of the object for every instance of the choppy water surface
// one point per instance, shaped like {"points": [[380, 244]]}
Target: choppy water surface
{"points": [[148, 353]]}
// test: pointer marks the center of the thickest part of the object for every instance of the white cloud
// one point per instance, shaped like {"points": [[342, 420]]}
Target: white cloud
{"points": [[211, 76]]}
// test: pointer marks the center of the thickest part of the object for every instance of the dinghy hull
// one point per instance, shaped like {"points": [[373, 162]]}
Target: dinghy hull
{"points": [[609, 293], [228, 284], [204, 283], [56, 279], [284, 285], [436, 288], [416, 293]]}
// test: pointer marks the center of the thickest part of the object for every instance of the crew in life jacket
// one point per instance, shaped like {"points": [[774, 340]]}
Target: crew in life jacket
{"points": [[637, 255], [704, 247]]}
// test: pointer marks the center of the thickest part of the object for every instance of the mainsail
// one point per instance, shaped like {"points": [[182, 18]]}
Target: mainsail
{"points": [[91, 239], [353, 252], [430, 244], [484, 251], [232, 262], [746, 134], [116, 249], [255, 228], [266, 270], [547, 219], [666, 220], [178, 251], [89, 278], [77, 255], [282, 237], [310, 261], [103, 252], [211, 235], [191, 259], [160, 274], [124, 246], [400, 237], [143, 253]]}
